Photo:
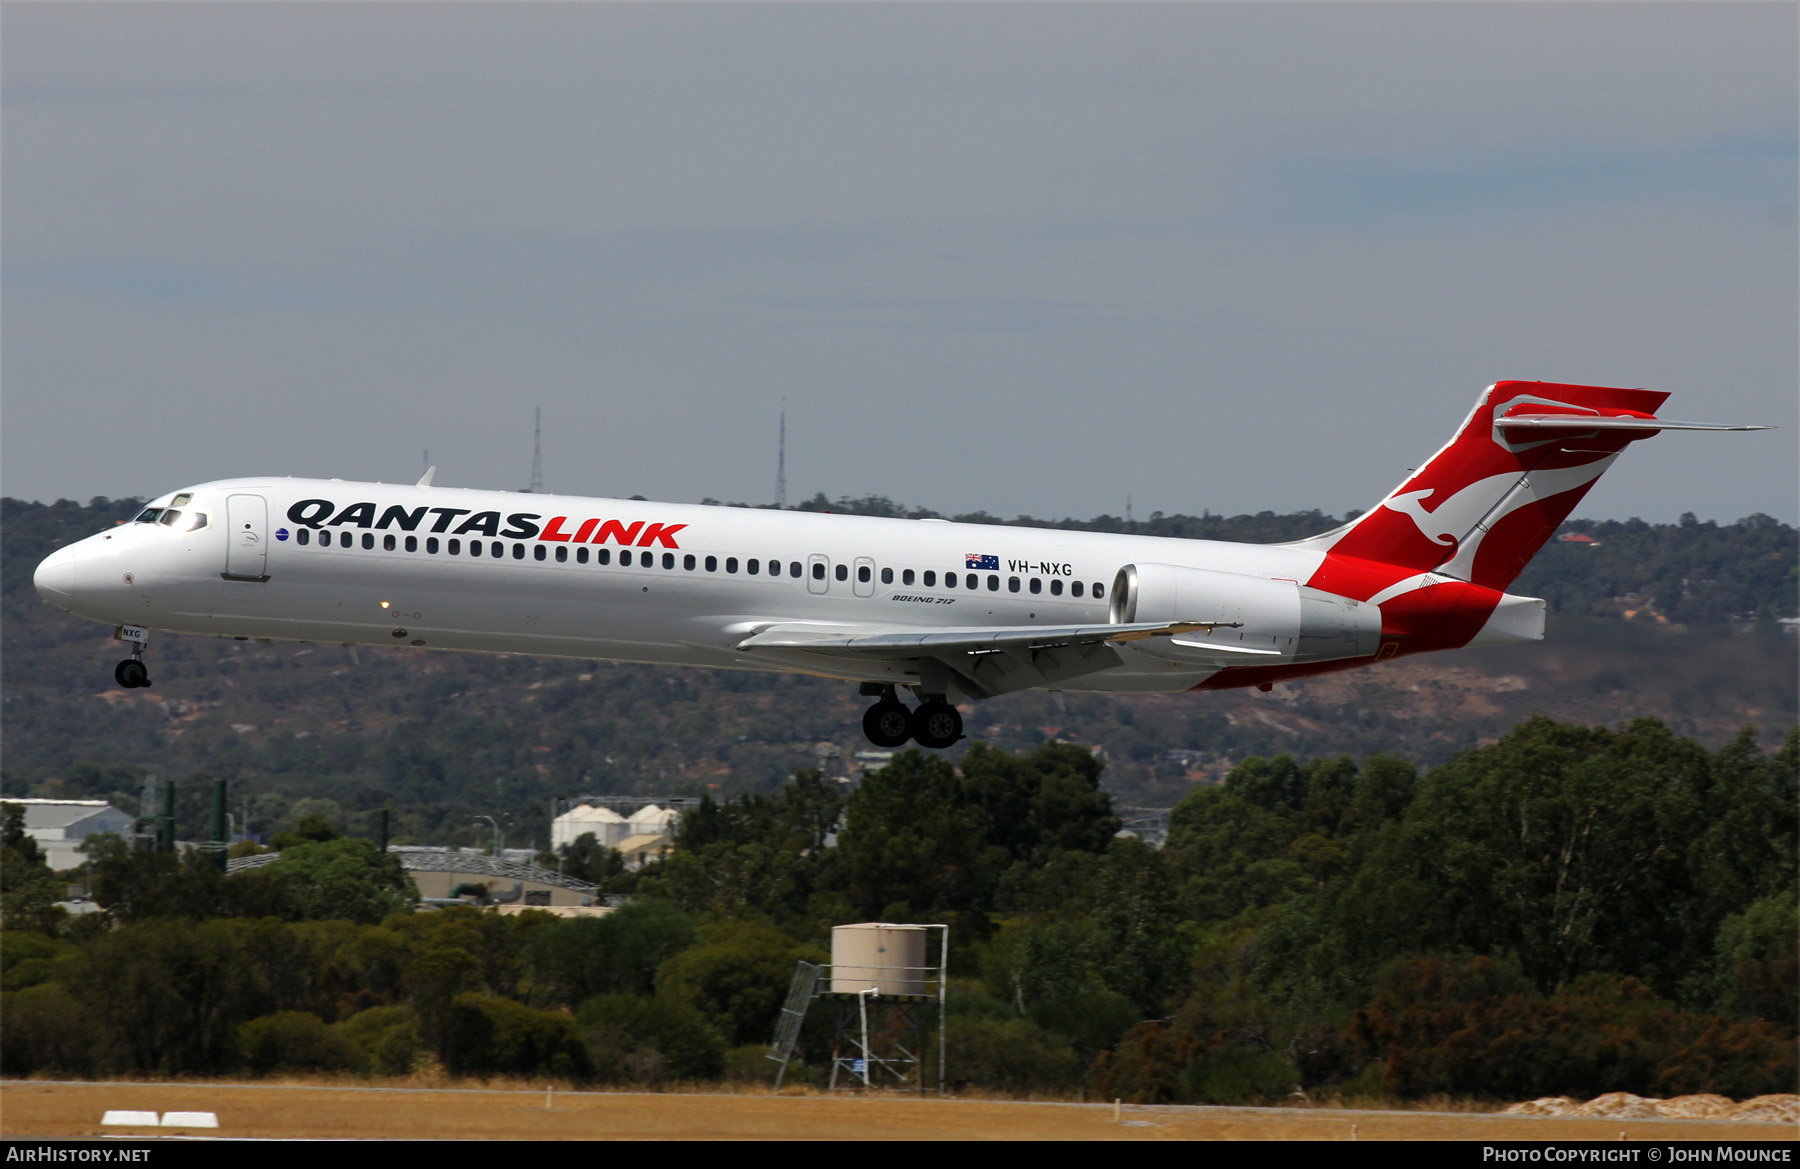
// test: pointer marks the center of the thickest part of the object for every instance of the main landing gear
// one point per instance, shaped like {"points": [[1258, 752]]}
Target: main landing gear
{"points": [[132, 673], [935, 724]]}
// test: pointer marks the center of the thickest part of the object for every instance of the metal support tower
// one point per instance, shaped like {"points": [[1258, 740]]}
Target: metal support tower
{"points": [[537, 451], [781, 461], [878, 1040]]}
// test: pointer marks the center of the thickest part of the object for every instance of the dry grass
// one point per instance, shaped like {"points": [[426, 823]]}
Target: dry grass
{"points": [[313, 1110]]}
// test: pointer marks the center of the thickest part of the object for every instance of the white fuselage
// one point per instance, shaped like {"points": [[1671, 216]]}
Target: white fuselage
{"points": [[698, 582]]}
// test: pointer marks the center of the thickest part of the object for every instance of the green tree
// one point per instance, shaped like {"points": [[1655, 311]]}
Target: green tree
{"points": [[29, 891], [649, 1039], [1040, 804], [572, 960], [342, 879], [738, 977], [912, 840], [1570, 847]]}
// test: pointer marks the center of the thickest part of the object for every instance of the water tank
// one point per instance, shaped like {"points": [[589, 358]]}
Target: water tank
{"points": [[879, 954]]}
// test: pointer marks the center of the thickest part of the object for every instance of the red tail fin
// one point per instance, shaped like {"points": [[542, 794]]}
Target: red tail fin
{"points": [[1484, 504]]}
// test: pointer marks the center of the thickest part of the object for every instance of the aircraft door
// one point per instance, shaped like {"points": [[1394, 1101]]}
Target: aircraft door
{"points": [[862, 577], [246, 538], [818, 573]]}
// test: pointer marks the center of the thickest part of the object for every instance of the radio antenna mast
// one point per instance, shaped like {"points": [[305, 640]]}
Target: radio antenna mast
{"points": [[781, 461], [537, 451]]}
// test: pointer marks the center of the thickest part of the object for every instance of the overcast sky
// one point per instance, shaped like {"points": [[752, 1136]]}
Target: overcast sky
{"points": [[1028, 258]]}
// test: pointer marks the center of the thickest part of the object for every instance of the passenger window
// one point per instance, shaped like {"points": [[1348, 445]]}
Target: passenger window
{"points": [[624, 557], [752, 566], [431, 545], [303, 536], [1056, 588], [369, 539], [712, 564], [793, 569], [1099, 590], [843, 573], [930, 578], [668, 559], [518, 551], [906, 577], [1012, 584], [455, 548], [474, 547], [687, 562], [818, 572], [603, 556], [496, 549], [993, 584], [731, 564], [581, 555], [1037, 586], [562, 553], [862, 574], [537, 551], [887, 576], [949, 580], [1075, 589], [412, 543], [387, 543]]}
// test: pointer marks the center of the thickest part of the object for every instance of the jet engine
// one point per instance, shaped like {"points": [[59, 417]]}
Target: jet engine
{"points": [[1301, 624]]}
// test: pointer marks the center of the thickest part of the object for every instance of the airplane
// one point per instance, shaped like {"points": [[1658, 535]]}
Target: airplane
{"points": [[953, 613]]}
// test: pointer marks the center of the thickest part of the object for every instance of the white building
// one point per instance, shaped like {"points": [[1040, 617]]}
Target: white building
{"points": [[60, 826], [651, 820], [608, 827]]}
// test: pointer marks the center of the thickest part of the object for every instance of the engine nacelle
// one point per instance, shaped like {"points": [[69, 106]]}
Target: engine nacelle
{"points": [[1303, 624]]}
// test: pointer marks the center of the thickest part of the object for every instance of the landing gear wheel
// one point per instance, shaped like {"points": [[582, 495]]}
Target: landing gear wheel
{"points": [[131, 674], [936, 725], [888, 723]]}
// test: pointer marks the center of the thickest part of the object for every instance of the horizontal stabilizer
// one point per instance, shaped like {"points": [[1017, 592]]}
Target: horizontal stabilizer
{"points": [[1590, 422]]}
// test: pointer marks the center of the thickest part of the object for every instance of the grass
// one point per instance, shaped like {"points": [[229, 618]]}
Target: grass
{"points": [[313, 1107]]}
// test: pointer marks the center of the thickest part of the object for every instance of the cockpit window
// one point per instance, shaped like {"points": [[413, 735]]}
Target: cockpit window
{"points": [[181, 500], [169, 516], [148, 515], [199, 522]]}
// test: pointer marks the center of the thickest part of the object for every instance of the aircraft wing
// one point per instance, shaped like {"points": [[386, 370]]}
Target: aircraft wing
{"points": [[984, 661]]}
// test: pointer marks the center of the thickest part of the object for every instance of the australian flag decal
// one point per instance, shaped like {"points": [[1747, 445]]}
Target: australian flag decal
{"points": [[981, 563]]}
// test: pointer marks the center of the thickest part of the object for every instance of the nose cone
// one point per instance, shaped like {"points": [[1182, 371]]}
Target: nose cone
{"points": [[55, 577]]}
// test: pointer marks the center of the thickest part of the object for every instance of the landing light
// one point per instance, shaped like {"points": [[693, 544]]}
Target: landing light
{"points": [[384, 604]]}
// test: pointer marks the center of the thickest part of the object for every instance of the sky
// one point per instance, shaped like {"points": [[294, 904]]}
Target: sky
{"points": [[1027, 258]]}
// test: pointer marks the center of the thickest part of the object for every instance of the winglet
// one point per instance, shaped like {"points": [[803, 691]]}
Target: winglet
{"points": [[425, 479]]}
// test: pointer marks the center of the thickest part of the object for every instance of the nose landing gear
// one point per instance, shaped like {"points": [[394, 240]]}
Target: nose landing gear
{"points": [[132, 673], [935, 724]]}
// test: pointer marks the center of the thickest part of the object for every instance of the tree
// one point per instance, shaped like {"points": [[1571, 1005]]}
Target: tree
{"points": [[914, 841], [28, 889], [341, 879], [738, 977], [569, 961], [1039, 804], [1573, 848]]}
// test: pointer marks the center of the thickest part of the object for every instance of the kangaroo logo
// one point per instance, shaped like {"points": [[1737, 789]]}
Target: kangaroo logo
{"points": [[1451, 519]]}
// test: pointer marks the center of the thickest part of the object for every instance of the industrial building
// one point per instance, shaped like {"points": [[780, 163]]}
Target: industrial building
{"points": [[60, 826]]}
